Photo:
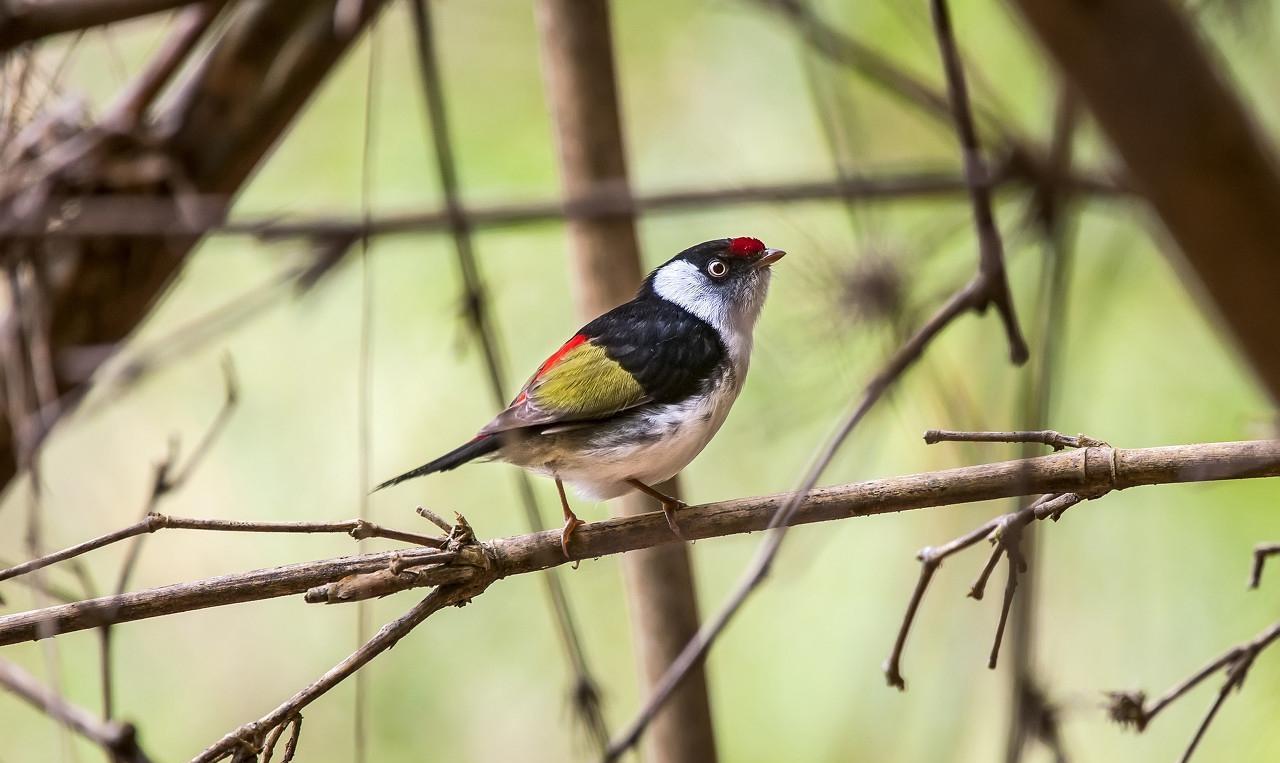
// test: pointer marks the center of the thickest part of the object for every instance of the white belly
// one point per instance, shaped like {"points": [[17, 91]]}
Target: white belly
{"points": [[597, 461]]}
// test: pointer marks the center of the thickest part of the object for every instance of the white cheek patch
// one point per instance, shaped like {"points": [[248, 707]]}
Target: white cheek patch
{"points": [[681, 283]]}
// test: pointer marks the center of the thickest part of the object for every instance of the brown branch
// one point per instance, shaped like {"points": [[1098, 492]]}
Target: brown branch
{"points": [[576, 50], [253, 735], [27, 20], [127, 111], [1091, 471], [120, 740]]}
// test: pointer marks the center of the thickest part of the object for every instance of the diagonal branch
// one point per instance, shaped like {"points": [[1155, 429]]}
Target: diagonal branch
{"points": [[990, 247]]}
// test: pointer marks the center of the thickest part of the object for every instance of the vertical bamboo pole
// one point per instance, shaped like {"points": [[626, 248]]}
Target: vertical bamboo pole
{"points": [[577, 58]]}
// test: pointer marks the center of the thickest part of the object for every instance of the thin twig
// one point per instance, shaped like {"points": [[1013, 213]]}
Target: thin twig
{"points": [[1005, 532], [28, 20], [356, 528], [1055, 440], [830, 42], [364, 363]]}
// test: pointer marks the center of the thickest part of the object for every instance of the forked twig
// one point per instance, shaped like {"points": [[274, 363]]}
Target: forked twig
{"points": [[1130, 708], [1005, 534]]}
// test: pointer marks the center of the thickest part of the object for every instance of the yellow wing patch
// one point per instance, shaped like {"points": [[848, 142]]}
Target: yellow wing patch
{"points": [[585, 383], [578, 382]]}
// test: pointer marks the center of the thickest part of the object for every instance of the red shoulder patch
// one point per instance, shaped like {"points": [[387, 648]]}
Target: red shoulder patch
{"points": [[565, 349], [745, 246]]}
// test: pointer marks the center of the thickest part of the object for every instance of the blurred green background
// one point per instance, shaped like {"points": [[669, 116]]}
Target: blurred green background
{"points": [[1136, 591]]}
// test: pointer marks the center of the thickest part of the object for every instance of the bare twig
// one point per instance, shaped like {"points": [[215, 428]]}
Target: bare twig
{"points": [[253, 734], [45, 587], [846, 51], [1055, 440], [356, 528], [364, 364], [120, 740], [1005, 533]]}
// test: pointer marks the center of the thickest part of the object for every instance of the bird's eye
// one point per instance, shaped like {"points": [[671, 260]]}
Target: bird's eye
{"points": [[717, 269]]}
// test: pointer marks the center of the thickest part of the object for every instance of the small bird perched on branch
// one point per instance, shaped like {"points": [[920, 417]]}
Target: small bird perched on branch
{"points": [[637, 393]]}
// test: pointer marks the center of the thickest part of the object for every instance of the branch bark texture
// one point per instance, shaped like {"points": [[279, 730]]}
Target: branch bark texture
{"points": [[1090, 472]]}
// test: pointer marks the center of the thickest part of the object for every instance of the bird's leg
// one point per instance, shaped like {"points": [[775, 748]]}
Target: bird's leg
{"points": [[571, 521], [669, 504]]}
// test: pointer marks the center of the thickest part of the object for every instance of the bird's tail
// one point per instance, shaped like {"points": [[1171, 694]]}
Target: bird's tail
{"points": [[480, 446]]}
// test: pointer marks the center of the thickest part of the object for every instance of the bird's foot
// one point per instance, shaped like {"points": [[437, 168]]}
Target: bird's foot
{"points": [[571, 523], [669, 509]]}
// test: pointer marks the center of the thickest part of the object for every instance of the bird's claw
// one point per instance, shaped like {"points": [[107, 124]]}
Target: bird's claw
{"points": [[566, 532], [669, 510]]}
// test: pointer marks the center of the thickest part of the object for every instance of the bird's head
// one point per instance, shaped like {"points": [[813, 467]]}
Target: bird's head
{"points": [[724, 282]]}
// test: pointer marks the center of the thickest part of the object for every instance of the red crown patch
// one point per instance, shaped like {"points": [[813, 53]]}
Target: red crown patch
{"points": [[745, 246]]}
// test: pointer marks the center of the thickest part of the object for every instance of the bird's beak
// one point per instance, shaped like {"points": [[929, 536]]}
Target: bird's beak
{"points": [[769, 257]]}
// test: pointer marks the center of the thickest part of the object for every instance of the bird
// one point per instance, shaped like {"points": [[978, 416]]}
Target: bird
{"points": [[636, 394]]}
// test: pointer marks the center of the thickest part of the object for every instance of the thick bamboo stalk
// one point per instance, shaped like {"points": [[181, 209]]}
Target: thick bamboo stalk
{"points": [[1190, 145], [577, 52]]}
